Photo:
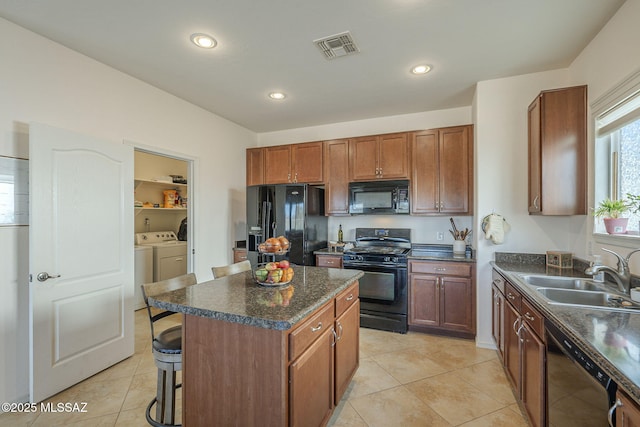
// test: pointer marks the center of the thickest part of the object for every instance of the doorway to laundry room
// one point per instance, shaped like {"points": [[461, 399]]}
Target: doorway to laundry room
{"points": [[162, 197]]}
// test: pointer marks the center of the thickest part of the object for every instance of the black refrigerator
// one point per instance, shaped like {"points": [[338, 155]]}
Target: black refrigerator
{"points": [[295, 211]]}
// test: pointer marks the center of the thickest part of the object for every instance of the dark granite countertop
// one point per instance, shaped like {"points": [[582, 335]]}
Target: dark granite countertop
{"points": [[610, 338], [239, 299]]}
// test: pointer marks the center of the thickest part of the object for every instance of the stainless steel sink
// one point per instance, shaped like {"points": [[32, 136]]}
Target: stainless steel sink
{"points": [[561, 282], [594, 299]]}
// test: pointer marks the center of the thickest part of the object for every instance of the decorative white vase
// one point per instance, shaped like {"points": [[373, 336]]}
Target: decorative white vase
{"points": [[459, 247]]}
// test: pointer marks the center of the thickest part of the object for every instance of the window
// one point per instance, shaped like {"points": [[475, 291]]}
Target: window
{"points": [[617, 155]]}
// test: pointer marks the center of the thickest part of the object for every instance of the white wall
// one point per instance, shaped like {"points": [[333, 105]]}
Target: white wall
{"points": [[45, 82], [500, 111]]}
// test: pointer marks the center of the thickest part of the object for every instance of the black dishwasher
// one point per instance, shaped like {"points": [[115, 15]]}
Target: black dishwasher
{"points": [[579, 392]]}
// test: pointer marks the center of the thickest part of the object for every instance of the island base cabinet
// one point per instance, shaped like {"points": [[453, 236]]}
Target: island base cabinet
{"points": [[243, 375], [311, 384], [232, 374], [347, 349]]}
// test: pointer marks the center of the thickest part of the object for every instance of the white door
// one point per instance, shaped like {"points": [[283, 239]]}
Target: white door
{"points": [[81, 229]]}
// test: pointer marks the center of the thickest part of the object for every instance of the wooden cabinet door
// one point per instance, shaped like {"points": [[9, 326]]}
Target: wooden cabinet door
{"points": [[393, 156], [277, 164], [424, 308], [456, 304], [336, 165], [363, 158], [533, 376], [627, 412], [307, 162], [347, 360], [497, 323], [512, 345], [311, 384], [535, 166], [255, 166], [558, 152], [456, 169], [424, 172]]}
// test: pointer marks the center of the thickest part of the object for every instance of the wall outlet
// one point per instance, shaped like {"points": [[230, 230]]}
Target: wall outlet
{"points": [[439, 235]]}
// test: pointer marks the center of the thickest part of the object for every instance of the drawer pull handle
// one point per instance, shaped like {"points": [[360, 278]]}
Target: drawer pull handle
{"points": [[317, 328], [441, 269], [179, 259], [350, 297], [529, 317], [496, 281], [511, 296]]}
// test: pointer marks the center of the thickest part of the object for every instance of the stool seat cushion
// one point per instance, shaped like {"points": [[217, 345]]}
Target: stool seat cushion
{"points": [[169, 341]]}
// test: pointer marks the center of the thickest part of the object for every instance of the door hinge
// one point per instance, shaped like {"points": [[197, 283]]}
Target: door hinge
{"points": [[30, 278], [193, 251]]}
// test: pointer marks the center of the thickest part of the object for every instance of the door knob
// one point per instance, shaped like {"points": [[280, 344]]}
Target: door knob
{"points": [[44, 276]]}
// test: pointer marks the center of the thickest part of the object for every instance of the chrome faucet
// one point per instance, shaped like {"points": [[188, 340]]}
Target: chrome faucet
{"points": [[622, 275]]}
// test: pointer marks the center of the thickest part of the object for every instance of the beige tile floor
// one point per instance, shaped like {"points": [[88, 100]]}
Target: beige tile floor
{"points": [[403, 380]]}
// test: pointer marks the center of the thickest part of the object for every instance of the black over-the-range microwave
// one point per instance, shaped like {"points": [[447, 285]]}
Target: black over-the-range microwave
{"points": [[379, 198]]}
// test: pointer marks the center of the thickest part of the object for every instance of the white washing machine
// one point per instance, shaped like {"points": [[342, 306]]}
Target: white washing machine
{"points": [[169, 253], [143, 273]]}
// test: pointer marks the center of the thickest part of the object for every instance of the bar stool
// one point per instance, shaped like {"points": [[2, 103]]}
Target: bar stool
{"points": [[227, 270], [167, 351]]}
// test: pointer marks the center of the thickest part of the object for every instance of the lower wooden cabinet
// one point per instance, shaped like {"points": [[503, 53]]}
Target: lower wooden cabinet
{"points": [[331, 261], [520, 334], [442, 297], [311, 384], [347, 349], [627, 411]]}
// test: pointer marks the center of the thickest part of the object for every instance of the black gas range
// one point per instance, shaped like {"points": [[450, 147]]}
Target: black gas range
{"points": [[382, 254]]}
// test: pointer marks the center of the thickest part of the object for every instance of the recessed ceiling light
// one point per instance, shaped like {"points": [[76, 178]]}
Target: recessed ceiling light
{"points": [[421, 69], [203, 40], [277, 95]]}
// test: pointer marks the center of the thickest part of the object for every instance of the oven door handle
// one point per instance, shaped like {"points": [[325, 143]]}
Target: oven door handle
{"points": [[612, 411]]}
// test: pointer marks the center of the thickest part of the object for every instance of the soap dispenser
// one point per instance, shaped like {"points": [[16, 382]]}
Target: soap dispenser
{"points": [[598, 277]]}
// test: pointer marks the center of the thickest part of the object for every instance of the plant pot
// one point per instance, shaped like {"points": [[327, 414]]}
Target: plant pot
{"points": [[616, 225]]}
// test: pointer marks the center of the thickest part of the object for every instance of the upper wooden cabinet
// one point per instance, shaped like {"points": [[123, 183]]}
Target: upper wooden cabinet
{"points": [[255, 166], [379, 157], [558, 152], [336, 164], [296, 163], [442, 171]]}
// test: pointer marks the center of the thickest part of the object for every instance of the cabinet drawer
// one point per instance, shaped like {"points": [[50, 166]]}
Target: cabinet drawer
{"points": [[513, 296], [329, 261], [346, 298], [498, 281], [309, 331], [532, 317], [440, 268]]}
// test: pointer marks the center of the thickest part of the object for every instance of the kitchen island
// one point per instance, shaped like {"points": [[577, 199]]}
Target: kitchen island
{"points": [[268, 356]]}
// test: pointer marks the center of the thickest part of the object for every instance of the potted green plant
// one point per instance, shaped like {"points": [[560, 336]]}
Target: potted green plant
{"points": [[611, 212]]}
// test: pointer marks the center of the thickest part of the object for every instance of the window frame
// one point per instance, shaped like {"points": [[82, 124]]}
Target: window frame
{"points": [[600, 162]]}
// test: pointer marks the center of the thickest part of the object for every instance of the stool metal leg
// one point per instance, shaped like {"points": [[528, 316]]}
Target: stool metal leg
{"points": [[160, 402]]}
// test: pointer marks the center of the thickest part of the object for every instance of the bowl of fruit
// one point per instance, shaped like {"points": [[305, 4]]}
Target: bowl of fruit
{"points": [[274, 245], [277, 273]]}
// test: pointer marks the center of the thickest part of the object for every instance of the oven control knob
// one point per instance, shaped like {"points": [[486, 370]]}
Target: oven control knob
{"points": [[394, 259], [360, 258], [387, 259]]}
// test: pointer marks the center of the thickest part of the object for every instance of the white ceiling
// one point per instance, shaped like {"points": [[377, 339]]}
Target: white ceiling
{"points": [[267, 45]]}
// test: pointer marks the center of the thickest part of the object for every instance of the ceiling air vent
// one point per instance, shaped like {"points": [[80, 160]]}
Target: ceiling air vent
{"points": [[337, 45]]}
